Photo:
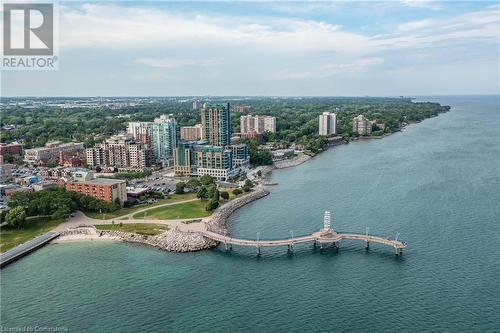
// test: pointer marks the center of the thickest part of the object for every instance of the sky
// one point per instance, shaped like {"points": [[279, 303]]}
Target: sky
{"points": [[224, 48]]}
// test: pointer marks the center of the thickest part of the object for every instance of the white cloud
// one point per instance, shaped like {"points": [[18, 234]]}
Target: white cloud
{"points": [[95, 25], [134, 27], [329, 69], [352, 66], [414, 25], [176, 62], [427, 4], [172, 48]]}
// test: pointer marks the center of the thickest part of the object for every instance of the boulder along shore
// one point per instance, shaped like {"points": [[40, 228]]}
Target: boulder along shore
{"points": [[170, 240], [218, 220]]}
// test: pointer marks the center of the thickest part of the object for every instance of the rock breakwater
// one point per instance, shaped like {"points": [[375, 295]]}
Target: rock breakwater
{"points": [[217, 221], [170, 240]]}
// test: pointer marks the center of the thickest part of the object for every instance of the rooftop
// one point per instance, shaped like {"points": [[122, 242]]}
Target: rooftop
{"points": [[103, 181]]}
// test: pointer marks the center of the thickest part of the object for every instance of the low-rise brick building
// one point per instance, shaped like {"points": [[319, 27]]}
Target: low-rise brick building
{"points": [[109, 190]]}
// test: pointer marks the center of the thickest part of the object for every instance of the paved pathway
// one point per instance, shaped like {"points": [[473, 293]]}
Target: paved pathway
{"points": [[80, 219]]}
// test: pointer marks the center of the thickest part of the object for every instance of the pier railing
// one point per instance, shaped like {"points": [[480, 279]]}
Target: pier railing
{"points": [[322, 237]]}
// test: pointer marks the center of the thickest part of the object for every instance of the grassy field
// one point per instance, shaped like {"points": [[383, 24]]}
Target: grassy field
{"points": [[10, 237], [187, 210], [149, 229], [125, 211]]}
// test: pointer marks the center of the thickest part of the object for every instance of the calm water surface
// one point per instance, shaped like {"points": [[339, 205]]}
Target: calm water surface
{"points": [[437, 184]]}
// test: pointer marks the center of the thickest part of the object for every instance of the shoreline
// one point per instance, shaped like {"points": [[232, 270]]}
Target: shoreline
{"points": [[218, 220], [171, 240], [289, 163], [191, 241], [298, 160]]}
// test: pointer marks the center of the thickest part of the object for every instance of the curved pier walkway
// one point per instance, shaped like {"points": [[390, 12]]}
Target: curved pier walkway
{"points": [[324, 236]]}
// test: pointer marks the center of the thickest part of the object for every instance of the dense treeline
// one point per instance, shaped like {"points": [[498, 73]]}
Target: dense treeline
{"points": [[58, 203], [88, 125], [258, 155], [296, 118]]}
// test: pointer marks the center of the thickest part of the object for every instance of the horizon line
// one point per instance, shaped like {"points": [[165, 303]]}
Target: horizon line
{"points": [[251, 96]]}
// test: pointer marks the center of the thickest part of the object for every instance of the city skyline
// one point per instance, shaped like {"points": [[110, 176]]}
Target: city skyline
{"points": [[277, 49]]}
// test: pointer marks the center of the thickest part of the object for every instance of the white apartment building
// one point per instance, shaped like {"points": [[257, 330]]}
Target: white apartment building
{"points": [[328, 123], [140, 131], [219, 174]]}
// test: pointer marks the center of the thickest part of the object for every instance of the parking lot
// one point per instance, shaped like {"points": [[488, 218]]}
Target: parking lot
{"points": [[161, 181]]}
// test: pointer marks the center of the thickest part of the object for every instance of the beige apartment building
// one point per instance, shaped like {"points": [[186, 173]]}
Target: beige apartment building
{"points": [[192, 133], [258, 124], [120, 151], [361, 125]]}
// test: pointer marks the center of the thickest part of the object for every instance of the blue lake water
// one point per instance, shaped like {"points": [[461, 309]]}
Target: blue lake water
{"points": [[437, 184]]}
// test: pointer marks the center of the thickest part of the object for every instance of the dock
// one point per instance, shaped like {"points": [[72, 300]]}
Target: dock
{"points": [[322, 238], [26, 248]]}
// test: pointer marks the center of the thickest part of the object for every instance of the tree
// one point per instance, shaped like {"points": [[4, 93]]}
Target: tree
{"points": [[248, 183], [207, 180], [202, 193], [259, 173], [19, 199], [224, 195], [236, 191], [259, 156], [213, 192], [179, 187], [8, 158], [16, 217], [246, 188], [212, 204], [61, 212], [193, 183]]}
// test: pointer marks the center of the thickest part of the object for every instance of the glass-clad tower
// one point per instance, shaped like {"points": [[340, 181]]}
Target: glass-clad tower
{"points": [[164, 139]]}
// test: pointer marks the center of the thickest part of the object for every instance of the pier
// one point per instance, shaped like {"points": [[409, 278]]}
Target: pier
{"points": [[26, 248], [324, 237]]}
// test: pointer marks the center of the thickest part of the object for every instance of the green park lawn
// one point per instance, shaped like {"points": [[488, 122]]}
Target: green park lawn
{"points": [[186, 210], [125, 211], [11, 236], [149, 229]]}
